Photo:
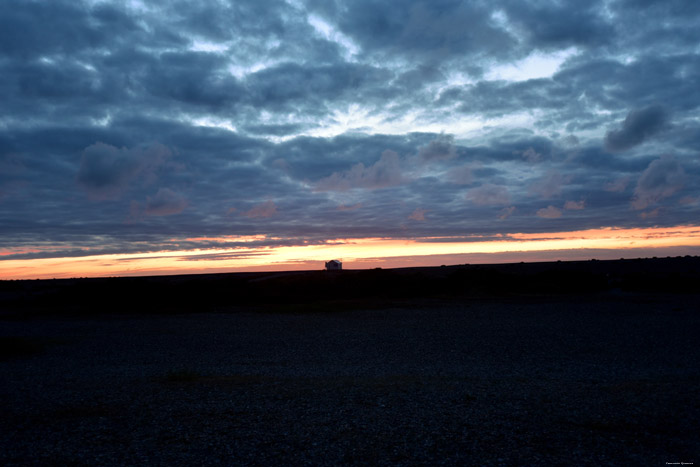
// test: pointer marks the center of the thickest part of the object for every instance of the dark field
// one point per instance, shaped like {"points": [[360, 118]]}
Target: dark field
{"points": [[583, 363]]}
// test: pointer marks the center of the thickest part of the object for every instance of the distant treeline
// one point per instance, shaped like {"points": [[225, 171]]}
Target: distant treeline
{"points": [[207, 292]]}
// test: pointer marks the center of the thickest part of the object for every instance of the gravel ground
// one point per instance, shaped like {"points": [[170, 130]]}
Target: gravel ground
{"points": [[609, 380]]}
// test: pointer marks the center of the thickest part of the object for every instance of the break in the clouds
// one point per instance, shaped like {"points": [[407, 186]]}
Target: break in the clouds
{"points": [[127, 124]]}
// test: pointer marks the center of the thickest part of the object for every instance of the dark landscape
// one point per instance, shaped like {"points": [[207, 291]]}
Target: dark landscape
{"points": [[581, 363]]}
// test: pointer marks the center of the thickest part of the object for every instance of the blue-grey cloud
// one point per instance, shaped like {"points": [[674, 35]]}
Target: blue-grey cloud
{"points": [[105, 170], [124, 127], [489, 194], [165, 203], [553, 24], [638, 126], [440, 148], [661, 179], [383, 173]]}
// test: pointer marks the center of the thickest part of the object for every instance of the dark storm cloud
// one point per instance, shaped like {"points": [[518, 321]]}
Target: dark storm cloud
{"points": [[638, 126], [124, 126]]}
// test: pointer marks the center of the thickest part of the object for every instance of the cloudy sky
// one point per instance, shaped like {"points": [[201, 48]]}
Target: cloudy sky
{"points": [[178, 136]]}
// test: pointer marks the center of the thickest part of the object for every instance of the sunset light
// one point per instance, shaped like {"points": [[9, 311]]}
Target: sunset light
{"points": [[224, 136], [367, 253]]}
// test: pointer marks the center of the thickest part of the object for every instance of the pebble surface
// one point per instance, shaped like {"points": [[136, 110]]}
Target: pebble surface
{"points": [[597, 381]]}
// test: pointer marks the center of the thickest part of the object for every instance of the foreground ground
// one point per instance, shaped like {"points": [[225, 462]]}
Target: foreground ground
{"points": [[596, 379]]}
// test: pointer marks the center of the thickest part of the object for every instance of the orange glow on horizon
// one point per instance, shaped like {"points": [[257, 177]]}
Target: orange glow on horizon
{"points": [[363, 252], [225, 239]]}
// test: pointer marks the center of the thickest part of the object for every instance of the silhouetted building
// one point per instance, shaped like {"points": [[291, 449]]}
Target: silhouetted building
{"points": [[334, 265]]}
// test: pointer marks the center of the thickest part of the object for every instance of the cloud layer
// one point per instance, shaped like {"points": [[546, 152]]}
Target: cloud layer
{"points": [[126, 125]]}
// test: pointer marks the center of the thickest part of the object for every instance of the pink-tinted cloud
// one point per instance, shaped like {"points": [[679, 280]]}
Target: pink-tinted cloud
{"points": [[575, 205], [550, 212], [460, 175], [353, 207], [506, 212], [663, 178], [384, 173], [165, 203], [489, 195], [617, 186], [689, 200], [550, 185], [418, 215], [266, 209], [650, 214]]}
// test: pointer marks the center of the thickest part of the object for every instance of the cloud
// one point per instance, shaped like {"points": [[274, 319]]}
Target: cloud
{"points": [[106, 171], [422, 31], [165, 203], [575, 205], [442, 148], [532, 156], [552, 24], [460, 175], [284, 85], [650, 214], [549, 185], [384, 173], [418, 214], [263, 210], [689, 201], [193, 79], [550, 212], [506, 212], [638, 126], [618, 185], [353, 207], [489, 195], [663, 178]]}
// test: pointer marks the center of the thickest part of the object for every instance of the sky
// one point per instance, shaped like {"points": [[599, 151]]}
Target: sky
{"points": [[177, 136]]}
